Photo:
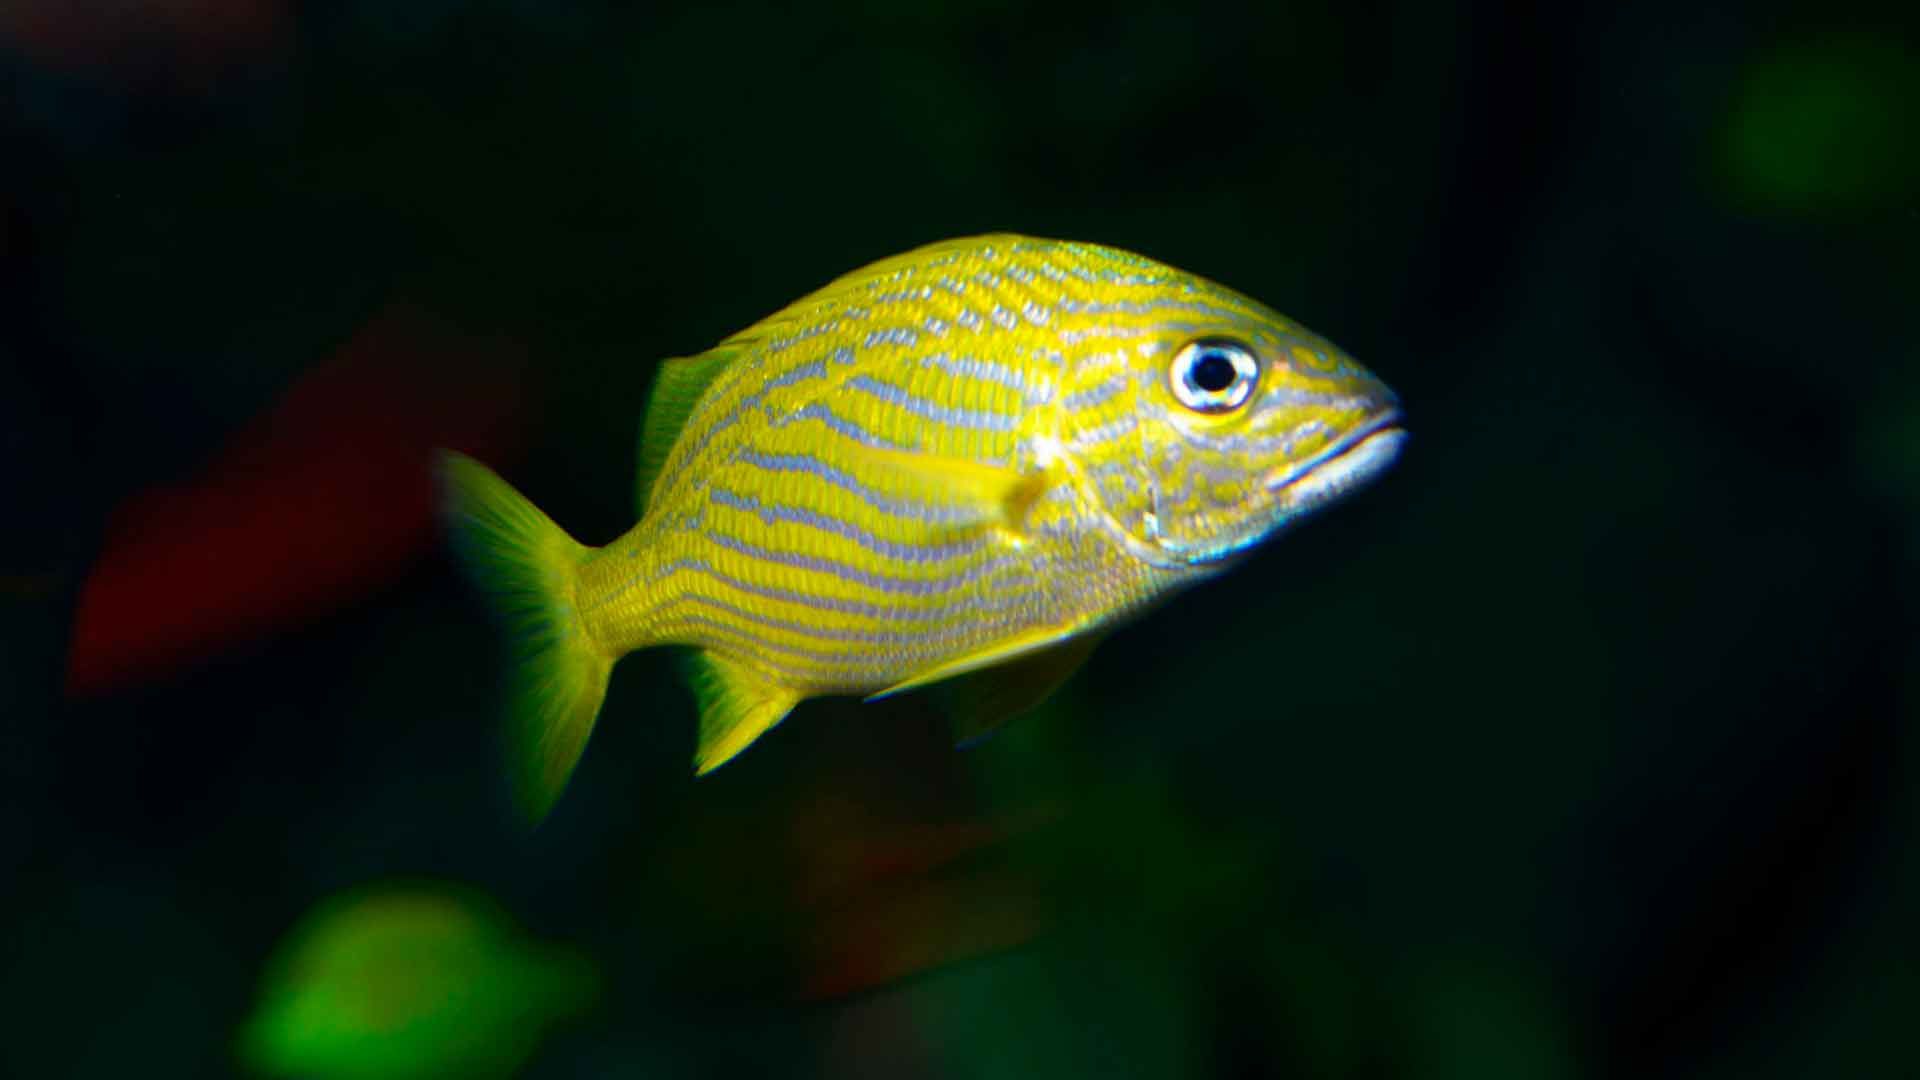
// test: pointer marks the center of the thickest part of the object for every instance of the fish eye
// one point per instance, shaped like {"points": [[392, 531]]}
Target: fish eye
{"points": [[1214, 375]]}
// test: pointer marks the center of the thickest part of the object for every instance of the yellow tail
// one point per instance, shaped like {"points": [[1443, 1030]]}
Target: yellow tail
{"points": [[557, 675]]}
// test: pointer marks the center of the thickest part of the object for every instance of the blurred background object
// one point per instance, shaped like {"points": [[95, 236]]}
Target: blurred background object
{"points": [[1582, 746], [409, 980], [328, 493]]}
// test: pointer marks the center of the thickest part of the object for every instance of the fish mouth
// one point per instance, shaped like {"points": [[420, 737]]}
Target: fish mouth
{"points": [[1363, 454]]}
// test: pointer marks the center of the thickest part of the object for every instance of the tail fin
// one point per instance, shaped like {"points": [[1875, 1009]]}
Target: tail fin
{"points": [[558, 675]]}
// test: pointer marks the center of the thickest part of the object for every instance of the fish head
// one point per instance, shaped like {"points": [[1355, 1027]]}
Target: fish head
{"points": [[1225, 431]]}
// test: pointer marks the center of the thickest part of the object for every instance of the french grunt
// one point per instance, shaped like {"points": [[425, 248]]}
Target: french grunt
{"points": [[976, 457]]}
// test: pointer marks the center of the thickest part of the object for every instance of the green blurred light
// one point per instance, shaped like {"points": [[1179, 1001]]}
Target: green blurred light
{"points": [[1823, 126], [409, 981]]}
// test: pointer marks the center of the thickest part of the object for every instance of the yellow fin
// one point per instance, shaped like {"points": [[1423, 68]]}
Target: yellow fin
{"points": [[736, 707], [558, 674], [995, 653], [982, 701], [988, 494]]}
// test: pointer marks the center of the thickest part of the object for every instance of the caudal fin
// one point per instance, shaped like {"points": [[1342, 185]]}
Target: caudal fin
{"points": [[557, 675]]}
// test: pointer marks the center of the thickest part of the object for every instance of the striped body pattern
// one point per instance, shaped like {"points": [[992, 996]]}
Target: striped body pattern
{"points": [[977, 452]]}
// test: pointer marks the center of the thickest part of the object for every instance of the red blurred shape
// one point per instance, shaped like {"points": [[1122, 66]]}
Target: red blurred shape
{"points": [[921, 924], [845, 877], [327, 495], [896, 898]]}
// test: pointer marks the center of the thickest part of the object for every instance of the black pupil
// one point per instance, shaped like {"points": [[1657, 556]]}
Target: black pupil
{"points": [[1213, 372]]}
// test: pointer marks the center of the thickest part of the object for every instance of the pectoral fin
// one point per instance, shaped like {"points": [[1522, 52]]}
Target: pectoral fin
{"points": [[737, 706], [983, 494]]}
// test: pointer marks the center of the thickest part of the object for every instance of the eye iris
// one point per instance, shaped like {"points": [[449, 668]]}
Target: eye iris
{"points": [[1213, 376], [1212, 372]]}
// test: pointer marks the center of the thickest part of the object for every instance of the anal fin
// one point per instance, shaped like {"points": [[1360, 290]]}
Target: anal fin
{"points": [[737, 706]]}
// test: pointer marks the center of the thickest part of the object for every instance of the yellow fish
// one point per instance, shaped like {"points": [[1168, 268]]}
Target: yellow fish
{"points": [[979, 454]]}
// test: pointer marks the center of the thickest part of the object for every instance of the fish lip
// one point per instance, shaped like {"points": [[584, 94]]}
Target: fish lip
{"points": [[1384, 424]]}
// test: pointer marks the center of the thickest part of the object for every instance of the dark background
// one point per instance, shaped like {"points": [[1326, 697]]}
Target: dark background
{"points": [[1581, 746]]}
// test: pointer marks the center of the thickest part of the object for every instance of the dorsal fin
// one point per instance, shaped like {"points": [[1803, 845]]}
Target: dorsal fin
{"points": [[682, 382]]}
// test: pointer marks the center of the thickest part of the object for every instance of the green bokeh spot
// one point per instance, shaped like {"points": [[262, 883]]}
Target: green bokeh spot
{"points": [[409, 981], [1822, 126]]}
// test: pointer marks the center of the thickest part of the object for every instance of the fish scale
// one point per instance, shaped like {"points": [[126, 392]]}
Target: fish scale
{"points": [[971, 458]]}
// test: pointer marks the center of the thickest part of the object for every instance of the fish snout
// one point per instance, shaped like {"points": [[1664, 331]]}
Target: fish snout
{"points": [[1357, 457]]}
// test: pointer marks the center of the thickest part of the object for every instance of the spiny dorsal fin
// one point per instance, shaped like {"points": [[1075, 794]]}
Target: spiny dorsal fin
{"points": [[736, 707], [682, 382]]}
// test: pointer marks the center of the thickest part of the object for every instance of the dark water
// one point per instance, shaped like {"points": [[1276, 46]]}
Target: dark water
{"points": [[1581, 746]]}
